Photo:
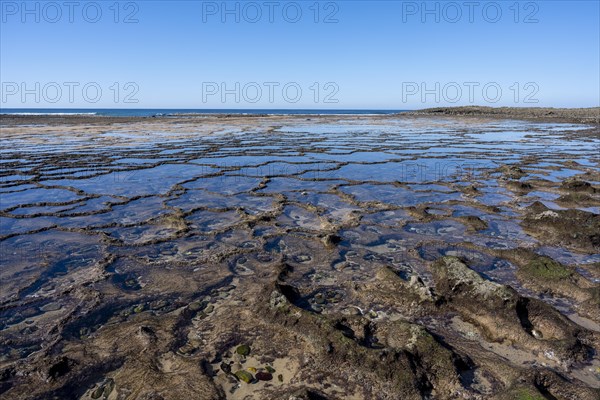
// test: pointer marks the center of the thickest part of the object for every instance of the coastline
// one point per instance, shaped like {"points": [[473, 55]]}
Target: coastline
{"points": [[589, 115]]}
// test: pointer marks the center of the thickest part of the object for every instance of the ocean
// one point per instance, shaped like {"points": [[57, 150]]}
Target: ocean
{"points": [[149, 112]]}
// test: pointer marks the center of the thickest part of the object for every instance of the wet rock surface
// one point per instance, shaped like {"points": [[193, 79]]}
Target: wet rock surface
{"points": [[273, 257], [545, 114]]}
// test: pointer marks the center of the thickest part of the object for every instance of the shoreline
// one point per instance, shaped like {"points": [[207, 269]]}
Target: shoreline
{"points": [[539, 114]]}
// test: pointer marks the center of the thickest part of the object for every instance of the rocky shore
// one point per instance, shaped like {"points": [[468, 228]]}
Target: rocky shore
{"points": [[440, 254], [574, 115]]}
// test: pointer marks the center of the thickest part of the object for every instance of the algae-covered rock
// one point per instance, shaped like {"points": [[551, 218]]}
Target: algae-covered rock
{"points": [[244, 376], [574, 229], [502, 314], [548, 384], [243, 350], [435, 357], [542, 274], [522, 393], [546, 268], [455, 279], [197, 305]]}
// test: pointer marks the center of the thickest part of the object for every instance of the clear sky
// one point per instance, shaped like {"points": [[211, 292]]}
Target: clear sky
{"points": [[303, 54]]}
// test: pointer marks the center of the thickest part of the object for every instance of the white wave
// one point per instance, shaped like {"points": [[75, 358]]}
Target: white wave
{"points": [[43, 113]]}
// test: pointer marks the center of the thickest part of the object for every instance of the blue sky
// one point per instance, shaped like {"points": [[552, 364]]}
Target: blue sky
{"points": [[352, 54]]}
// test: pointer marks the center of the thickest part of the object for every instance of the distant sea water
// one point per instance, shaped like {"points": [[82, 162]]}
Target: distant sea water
{"points": [[154, 112]]}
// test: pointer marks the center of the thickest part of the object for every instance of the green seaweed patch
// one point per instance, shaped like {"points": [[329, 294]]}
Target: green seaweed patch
{"points": [[527, 394], [243, 350], [244, 376], [546, 268], [139, 308]]}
